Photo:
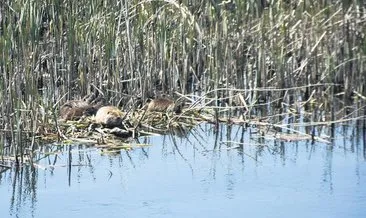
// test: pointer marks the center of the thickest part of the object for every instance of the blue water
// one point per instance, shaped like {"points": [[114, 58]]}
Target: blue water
{"points": [[200, 175]]}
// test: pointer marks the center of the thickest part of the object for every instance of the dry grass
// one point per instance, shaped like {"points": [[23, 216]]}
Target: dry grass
{"points": [[307, 56]]}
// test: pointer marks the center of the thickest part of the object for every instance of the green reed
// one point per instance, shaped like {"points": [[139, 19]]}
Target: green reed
{"points": [[55, 50]]}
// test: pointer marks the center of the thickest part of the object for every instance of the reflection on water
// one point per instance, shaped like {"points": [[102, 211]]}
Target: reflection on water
{"points": [[212, 172]]}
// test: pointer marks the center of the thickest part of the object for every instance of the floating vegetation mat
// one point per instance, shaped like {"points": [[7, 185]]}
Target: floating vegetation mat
{"points": [[135, 124], [139, 123], [286, 124]]}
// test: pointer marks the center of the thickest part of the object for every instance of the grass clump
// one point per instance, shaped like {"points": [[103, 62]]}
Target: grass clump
{"points": [[292, 55]]}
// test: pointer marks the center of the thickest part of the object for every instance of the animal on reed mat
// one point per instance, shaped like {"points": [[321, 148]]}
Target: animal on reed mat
{"points": [[109, 116], [163, 105], [75, 109]]}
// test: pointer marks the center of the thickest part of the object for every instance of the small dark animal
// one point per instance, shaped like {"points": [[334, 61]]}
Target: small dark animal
{"points": [[163, 105], [75, 109]]}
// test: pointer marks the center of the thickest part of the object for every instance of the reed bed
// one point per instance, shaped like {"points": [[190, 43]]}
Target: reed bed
{"points": [[287, 57]]}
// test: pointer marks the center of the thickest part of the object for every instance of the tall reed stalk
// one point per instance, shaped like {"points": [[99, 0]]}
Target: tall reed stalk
{"points": [[55, 50]]}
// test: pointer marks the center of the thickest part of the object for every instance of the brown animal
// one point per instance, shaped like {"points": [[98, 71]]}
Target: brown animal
{"points": [[161, 105], [75, 109], [109, 116]]}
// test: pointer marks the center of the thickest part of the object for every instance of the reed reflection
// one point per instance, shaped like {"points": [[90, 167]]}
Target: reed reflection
{"points": [[212, 154]]}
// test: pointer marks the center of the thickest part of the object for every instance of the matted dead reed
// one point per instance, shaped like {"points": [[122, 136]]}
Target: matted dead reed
{"points": [[224, 53]]}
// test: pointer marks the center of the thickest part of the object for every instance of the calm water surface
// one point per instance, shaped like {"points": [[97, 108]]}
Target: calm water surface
{"points": [[208, 173]]}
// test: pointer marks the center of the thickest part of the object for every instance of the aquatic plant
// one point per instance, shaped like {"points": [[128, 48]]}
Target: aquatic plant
{"points": [[305, 56]]}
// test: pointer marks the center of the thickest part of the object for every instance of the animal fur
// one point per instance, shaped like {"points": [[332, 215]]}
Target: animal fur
{"points": [[75, 109], [109, 116], [161, 105]]}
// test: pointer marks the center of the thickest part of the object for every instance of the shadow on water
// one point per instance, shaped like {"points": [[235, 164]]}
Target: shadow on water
{"points": [[215, 170]]}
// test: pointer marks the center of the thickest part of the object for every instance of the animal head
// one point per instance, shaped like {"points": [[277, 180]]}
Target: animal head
{"points": [[113, 121]]}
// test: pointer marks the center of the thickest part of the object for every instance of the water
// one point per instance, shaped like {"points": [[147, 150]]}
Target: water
{"points": [[203, 175]]}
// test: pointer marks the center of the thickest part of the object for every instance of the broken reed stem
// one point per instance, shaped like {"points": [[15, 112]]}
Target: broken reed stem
{"points": [[215, 51]]}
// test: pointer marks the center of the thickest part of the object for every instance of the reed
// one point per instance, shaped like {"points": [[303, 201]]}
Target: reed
{"points": [[272, 51]]}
